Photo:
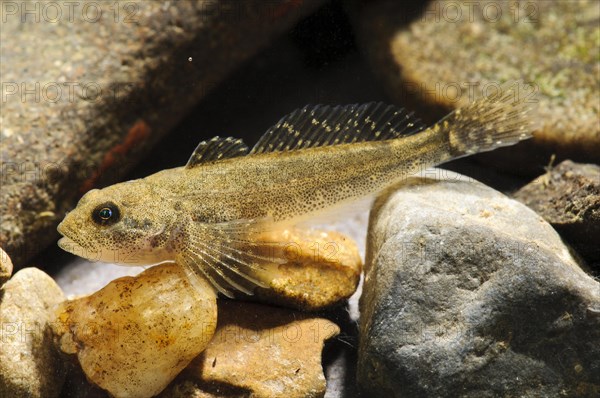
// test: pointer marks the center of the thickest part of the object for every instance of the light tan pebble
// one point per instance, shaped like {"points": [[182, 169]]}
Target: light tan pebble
{"points": [[137, 333], [6, 267], [270, 352], [30, 366], [323, 270]]}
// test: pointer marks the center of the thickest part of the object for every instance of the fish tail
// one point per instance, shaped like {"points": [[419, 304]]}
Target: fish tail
{"points": [[489, 122]]}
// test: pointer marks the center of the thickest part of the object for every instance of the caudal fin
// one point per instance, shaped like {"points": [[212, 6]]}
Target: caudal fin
{"points": [[490, 122]]}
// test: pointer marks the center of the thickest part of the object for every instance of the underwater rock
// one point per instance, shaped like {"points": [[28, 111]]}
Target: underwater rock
{"points": [[137, 333], [30, 366], [6, 267], [437, 56], [323, 270], [263, 352], [78, 113], [470, 293], [568, 197], [187, 388]]}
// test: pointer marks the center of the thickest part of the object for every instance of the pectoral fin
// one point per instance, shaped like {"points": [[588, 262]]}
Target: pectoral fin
{"points": [[228, 255]]}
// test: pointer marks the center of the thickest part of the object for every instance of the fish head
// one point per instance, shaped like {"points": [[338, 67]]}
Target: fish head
{"points": [[124, 224]]}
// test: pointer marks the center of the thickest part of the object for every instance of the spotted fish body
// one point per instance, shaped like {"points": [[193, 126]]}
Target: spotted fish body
{"points": [[207, 215]]}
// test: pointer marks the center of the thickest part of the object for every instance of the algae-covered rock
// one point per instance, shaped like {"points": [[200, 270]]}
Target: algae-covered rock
{"points": [[439, 56]]}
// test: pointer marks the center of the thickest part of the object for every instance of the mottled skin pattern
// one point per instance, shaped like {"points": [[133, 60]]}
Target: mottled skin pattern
{"points": [[202, 216], [299, 183]]}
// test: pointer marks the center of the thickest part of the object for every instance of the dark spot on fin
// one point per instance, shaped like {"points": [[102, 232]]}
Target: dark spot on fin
{"points": [[215, 149], [322, 125]]}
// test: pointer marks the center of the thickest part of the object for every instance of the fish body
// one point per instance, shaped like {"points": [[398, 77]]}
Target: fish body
{"points": [[207, 215], [286, 188]]}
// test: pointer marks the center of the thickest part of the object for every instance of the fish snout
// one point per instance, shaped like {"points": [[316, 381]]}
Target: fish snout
{"points": [[61, 228]]}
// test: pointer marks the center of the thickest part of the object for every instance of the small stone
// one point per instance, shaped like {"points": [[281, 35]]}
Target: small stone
{"points": [[6, 267], [189, 389], [568, 197], [264, 351], [469, 293], [30, 366], [137, 333], [323, 270], [438, 56]]}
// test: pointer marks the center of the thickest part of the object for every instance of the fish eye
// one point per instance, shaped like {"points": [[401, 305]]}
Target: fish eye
{"points": [[106, 214]]}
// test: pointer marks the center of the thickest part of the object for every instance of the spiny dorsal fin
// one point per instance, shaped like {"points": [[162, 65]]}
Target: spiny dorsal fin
{"points": [[322, 125], [217, 148]]}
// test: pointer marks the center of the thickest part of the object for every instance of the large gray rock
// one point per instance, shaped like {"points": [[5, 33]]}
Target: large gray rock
{"points": [[469, 293], [30, 366], [98, 83]]}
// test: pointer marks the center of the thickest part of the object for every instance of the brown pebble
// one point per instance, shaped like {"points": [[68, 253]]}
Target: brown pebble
{"points": [[271, 352]]}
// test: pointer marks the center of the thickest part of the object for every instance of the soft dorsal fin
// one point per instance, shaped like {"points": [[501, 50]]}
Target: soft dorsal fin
{"points": [[217, 148], [322, 125]]}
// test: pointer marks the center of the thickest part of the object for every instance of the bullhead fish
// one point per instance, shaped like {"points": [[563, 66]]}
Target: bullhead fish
{"points": [[207, 215]]}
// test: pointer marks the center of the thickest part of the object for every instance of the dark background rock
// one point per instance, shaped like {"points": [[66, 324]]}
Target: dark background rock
{"points": [[568, 197], [106, 81], [469, 293]]}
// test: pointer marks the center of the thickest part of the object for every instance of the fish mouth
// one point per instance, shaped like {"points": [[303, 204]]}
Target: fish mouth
{"points": [[73, 247], [64, 241], [73, 243], [61, 229], [68, 244]]}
